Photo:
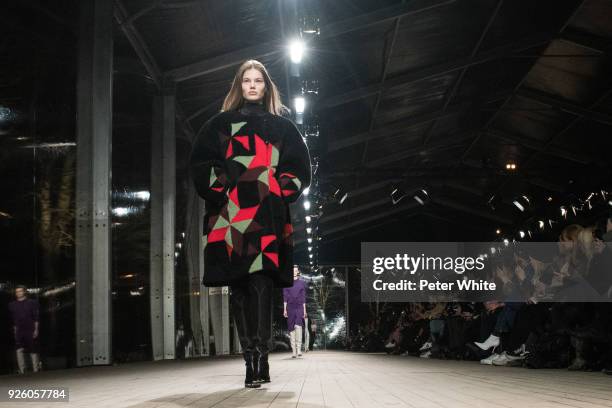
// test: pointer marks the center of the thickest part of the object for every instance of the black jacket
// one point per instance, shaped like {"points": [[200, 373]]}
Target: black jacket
{"points": [[248, 165]]}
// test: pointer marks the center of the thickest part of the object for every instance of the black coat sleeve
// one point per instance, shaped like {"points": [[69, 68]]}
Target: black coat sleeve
{"points": [[294, 164], [207, 166]]}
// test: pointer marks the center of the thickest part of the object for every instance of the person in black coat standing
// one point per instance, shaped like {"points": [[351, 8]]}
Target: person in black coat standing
{"points": [[249, 163]]}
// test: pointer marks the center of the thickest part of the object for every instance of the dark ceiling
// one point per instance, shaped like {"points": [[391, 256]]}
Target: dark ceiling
{"points": [[422, 94]]}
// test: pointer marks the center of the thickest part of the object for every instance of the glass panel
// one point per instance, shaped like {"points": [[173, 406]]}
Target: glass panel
{"points": [[37, 179]]}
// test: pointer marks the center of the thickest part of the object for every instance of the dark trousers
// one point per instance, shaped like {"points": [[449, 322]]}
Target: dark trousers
{"points": [[505, 320], [251, 305]]}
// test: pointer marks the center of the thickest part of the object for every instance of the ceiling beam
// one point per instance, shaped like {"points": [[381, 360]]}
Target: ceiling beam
{"points": [[364, 220], [431, 148], [379, 224], [380, 94], [539, 146], [469, 210], [564, 105], [147, 59], [221, 62], [354, 210], [349, 25], [394, 128], [459, 79], [266, 49], [519, 84], [433, 71], [586, 40]]}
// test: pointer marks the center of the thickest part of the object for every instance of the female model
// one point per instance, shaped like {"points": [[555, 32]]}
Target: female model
{"points": [[295, 311], [249, 163]]}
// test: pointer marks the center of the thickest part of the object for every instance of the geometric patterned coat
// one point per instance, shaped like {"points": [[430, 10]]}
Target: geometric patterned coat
{"points": [[248, 165]]}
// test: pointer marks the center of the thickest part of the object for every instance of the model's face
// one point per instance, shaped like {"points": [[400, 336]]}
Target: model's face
{"points": [[19, 293], [253, 85], [296, 272]]}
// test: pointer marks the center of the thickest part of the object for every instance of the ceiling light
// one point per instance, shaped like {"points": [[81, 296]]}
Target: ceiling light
{"points": [[300, 104], [296, 51]]}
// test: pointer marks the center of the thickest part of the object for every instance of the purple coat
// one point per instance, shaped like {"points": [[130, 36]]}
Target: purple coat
{"points": [[295, 297]]}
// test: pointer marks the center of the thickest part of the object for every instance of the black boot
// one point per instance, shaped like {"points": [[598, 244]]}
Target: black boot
{"points": [[256, 367], [264, 368], [250, 376]]}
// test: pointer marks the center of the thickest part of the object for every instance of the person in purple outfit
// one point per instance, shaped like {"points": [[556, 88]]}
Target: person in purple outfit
{"points": [[295, 311], [24, 314]]}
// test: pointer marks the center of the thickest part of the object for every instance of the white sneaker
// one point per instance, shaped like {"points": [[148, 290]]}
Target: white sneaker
{"points": [[505, 359], [489, 360], [390, 344], [426, 354], [426, 346]]}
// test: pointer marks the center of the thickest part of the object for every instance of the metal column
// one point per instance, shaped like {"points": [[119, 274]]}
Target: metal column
{"points": [[94, 131], [219, 316], [163, 196], [204, 295]]}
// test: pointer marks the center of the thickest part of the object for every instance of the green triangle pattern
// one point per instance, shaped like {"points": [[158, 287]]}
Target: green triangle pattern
{"points": [[257, 264], [221, 222], [241, 225], [228, 237], [263, 177], [274, 158], [236, 127], [213, 176], [244, 160], [232, 209]]}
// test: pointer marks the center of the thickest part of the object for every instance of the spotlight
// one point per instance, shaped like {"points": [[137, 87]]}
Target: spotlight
{"points": [[493, 201], [511, 166], [421, 197], [308, 219], [498, 231], [300, 104], [522, 234], [296, 51], [541, 224], [339, 195], [310, 255], [522, 202], [310, 240], [343, 198], [309, 249], [306, 205], [518, 205], [563, 212], [308, 230], [506, 242], [397, 194]]}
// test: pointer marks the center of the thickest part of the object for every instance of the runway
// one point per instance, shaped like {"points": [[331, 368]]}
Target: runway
{"points": [[323, 379]]}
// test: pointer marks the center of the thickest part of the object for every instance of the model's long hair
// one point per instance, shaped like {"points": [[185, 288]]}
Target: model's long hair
{"points": [[271, 100]]}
